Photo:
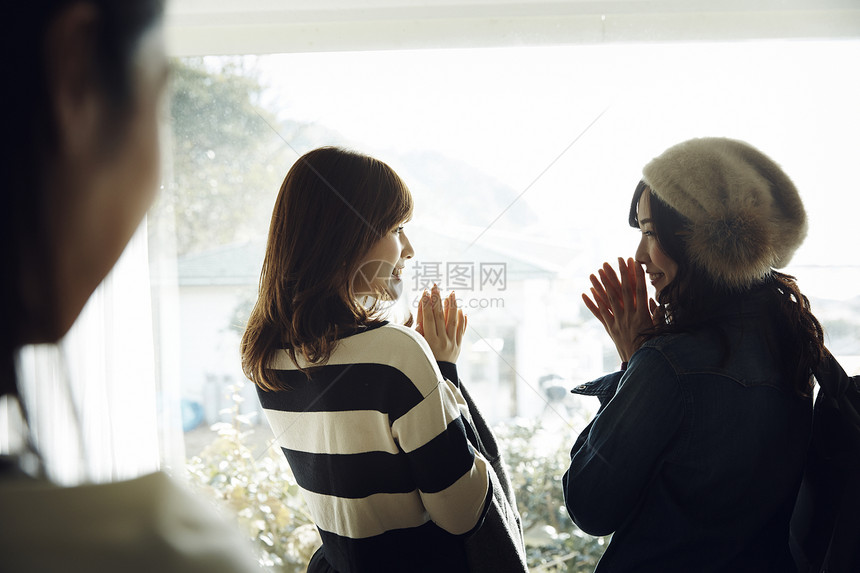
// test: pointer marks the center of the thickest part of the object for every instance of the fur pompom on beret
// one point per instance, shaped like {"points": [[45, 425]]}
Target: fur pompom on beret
{"points": [[745, 214]]}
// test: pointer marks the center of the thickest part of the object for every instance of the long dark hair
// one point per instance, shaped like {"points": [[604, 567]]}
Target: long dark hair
{"points": [[333, 206], [692, 300], [31, 143]]}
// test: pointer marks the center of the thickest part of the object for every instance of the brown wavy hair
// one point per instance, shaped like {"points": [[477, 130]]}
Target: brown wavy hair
{"points": [[692, 300], [333, 206]]}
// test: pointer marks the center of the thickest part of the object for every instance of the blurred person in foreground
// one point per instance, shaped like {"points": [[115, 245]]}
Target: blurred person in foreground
{"points": [[84, 84]]}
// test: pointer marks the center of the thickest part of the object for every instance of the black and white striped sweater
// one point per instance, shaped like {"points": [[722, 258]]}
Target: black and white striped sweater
{"points": [[377, 442]]}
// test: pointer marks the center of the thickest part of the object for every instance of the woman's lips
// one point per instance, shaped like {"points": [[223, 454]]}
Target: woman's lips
{"points": [[655, 277]]}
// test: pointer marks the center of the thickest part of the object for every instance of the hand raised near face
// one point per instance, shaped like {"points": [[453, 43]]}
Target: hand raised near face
{"points": [[622, 305], [442, 324]]}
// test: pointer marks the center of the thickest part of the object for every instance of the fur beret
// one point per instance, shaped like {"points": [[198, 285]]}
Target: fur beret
{"points": [[745, 214]]}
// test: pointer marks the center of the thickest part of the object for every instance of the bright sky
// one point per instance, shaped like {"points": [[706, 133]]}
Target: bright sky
{"points": [[512, 112]]}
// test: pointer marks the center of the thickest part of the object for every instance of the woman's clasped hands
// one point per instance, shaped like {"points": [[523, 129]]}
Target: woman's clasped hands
{"points": [[442, 324], [622, 305]]}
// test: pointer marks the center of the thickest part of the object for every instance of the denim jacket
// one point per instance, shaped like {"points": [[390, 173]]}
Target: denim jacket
{"points": [[695, 457]]}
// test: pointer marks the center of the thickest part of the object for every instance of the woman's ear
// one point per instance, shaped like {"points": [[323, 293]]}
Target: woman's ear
{"points": [[71, 75]]}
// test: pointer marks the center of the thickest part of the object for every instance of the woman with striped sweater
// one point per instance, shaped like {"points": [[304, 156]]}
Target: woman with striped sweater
{"points": [[369, 414]]}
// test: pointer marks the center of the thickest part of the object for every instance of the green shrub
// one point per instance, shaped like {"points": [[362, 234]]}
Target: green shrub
{"points": [[261, 491], [536, 459]]}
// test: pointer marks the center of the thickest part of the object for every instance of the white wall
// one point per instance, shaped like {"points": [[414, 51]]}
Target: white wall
{"points": [[222, 27], [209, 347]]}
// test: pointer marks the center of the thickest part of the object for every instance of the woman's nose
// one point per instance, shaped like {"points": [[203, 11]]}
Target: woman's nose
{"points": [[407, 252], [641, 255]]}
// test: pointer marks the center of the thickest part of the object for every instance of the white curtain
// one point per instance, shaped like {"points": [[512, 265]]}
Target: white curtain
{"points": [[102, 407]]}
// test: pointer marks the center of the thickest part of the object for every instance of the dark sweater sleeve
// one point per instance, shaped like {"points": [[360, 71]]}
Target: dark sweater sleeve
{"points": [[449, 372]]}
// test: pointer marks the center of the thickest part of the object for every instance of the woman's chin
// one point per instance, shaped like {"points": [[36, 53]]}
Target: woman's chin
{"points": [[385, 290]]}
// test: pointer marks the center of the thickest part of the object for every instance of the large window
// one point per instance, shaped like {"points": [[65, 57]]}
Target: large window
{"points": [[522, 162]]}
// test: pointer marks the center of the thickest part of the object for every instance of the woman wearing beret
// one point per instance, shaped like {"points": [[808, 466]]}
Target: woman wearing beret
{"points": [[695, 457]]}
